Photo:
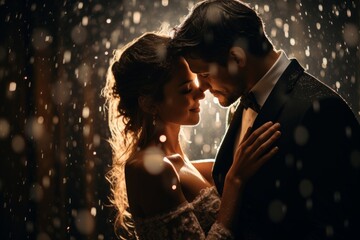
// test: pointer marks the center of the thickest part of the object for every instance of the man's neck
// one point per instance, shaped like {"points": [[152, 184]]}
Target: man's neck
{"points": [[258, 67]]}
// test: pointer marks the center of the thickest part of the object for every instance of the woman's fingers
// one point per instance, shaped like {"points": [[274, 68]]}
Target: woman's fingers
{"points": [[253, 136], [265, 141], [260, 136], [257, 147]]}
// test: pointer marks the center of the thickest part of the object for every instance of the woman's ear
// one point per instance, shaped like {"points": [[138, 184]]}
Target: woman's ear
{"points": [[147, 104], [238, 55]]}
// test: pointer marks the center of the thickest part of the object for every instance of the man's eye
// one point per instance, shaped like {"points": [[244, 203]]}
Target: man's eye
{"points": [[204, 75]]}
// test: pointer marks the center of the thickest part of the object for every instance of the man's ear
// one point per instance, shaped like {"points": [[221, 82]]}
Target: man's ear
{"points": [[238, 55], [147, 104]]}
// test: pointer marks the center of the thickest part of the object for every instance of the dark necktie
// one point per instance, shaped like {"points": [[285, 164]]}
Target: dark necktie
{"points": [[249, 101]]}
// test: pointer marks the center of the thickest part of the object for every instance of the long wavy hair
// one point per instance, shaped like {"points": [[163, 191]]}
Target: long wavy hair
{"points": [[140, 68]]}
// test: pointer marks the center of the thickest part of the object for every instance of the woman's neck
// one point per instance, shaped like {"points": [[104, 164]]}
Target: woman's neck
{"points": [[168, 138]]}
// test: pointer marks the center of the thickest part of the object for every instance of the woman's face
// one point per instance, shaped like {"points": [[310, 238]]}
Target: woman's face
{"points": [[181, 97]]}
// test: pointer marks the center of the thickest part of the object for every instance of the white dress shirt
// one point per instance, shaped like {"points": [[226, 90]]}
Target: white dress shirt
{"points": [[262, 90]]}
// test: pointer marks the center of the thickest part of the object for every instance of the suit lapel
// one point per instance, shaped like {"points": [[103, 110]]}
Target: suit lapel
{"points": [[224, 156]]}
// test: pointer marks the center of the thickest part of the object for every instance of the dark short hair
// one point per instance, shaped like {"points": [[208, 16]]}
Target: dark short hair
{"points": [[212, 27]]}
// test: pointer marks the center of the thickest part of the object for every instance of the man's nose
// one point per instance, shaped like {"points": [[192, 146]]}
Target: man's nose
{"points": [[203, 83]]}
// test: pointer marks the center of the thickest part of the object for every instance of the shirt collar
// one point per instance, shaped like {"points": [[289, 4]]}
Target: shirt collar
{"points": [[264, 86]]}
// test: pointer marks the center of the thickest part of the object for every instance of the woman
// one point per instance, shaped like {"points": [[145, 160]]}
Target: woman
{"points": [[158, 192]]}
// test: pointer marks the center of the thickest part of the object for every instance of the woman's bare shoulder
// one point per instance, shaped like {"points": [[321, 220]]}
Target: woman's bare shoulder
{"points": [[153, 184]]}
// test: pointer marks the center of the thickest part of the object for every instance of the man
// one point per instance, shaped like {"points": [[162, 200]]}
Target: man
{"points": [[311, 188]]}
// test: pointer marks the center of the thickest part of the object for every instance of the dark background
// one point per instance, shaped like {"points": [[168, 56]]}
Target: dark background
{"points": [[53, 130]]}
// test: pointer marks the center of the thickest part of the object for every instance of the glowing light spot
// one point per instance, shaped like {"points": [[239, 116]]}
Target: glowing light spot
{"points": [[43, 236], [41, 39], [206, 148], [67, 57], [12, 86], [36, 193], [136, 17], [266, 8], [324, 63], [93, 211], [337, 84], [292, 41], [276, 211], [162, 138], [79, 34], [4, 128], [199, 139], [316, 106], [289, 160], [85, 21], [213, 14], [309, 204], [173, 187], [355, 159], [351, 35], [306, 188], [153, 160], [86, 112], [318, 26], [18, 144], [165, 2], [278, 22], [46, 181], [108, 21], [329, 231], [301, 135], [40, 120], [84, 222], [337, 197]]}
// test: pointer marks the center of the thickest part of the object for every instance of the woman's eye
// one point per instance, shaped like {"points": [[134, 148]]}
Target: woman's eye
{"points": [[187, 89]]}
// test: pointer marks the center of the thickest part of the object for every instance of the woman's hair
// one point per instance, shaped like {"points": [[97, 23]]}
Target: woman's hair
{"points": [[212, 27], [139, 69]]}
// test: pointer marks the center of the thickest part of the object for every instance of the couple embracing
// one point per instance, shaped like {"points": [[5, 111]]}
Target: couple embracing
{"points": [[287, 167]]}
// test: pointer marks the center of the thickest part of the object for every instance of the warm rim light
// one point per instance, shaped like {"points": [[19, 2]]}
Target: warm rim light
{"points": [[197, 83]]}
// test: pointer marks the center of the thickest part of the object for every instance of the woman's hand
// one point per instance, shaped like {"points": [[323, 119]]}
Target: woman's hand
{"points": [[254, 150]]}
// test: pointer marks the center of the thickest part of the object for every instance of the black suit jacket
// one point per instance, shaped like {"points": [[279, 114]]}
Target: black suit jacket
{"points": [[311, 188]]}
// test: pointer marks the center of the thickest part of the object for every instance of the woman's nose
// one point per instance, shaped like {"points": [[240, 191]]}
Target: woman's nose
{"points": [[199, 94]]}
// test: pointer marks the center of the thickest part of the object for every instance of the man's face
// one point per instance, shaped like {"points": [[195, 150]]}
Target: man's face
{"points": [[224, 83]]}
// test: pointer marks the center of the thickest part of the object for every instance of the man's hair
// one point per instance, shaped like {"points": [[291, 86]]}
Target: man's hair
{"points": [[212, 27]]}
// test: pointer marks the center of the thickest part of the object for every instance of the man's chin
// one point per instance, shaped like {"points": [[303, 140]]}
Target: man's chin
{"points": [[223, 102]]}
